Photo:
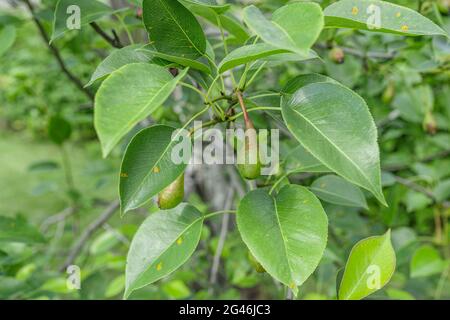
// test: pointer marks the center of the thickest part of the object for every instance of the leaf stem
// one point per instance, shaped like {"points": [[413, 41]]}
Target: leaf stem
{"points": [[284, 176]]}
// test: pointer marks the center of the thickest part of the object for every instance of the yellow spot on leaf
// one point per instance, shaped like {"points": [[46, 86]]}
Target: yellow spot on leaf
{"points": [[322, 185], [292, 285], [405, 28], [156, 170], [355, 11], [398, 15], [124, 175], [180, 241], [159, 266]]}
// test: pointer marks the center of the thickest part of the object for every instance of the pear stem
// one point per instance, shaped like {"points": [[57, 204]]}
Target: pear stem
{"points": [[247, 120]]}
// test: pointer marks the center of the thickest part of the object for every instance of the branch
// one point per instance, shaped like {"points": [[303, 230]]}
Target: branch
{"points": [[114, 41], [90, 230], [56, 53]]}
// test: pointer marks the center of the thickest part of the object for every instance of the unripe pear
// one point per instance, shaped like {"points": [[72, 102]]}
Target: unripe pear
{"points": [[444, 6], [249, 165], [337, 55], [429, 123], [388, 93], [172, 195]]}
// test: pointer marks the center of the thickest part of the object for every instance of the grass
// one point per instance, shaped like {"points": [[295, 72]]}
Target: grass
{"points": [[38, 194]]}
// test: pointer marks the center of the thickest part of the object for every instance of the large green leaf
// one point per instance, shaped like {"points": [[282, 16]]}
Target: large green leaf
{"points": [[287, 234], [362, 14], [118, 59], [426, 262], [90, 10], [294, 27], [18, 230], [248, 53], [186, 62], [173, 29], [164, 241], [336, 190], [7, 38], [370, 266], [128, 96], [147, 166], [334, 124]]}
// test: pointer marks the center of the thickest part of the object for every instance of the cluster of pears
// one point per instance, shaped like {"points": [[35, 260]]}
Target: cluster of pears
{"points": [[173, 194]]}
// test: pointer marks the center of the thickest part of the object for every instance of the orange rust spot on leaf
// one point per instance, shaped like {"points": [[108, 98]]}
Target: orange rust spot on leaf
{"points": [[405, 28], [355, 11], [159, 266], [156, 170], [124, 175]]}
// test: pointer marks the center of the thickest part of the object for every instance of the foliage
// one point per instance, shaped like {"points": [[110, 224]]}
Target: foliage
{"points": [[358, 208]]}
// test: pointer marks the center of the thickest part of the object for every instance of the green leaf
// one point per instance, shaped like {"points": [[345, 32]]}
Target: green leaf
{"points": [[300, 160], [334, 124], [362, 14], [118, 59], [287, 234], [304, 79], [147, 166], [176, 289], [294, 27], [186, 62], [18, 230], [209, 4], [246, 54], [59, 129], [7, 38], [370, 266], [128, 96], [426, 262], [115, 287], [173, 29], [336, 190], [90, 10], [164, 241], [227, 21]]}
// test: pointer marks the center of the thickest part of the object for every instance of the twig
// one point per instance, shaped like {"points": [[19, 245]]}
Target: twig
{"points": [[222, 237], [90, 230], [418, 188], [56, 53], [57, 218], [114, 41]]}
